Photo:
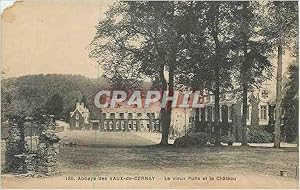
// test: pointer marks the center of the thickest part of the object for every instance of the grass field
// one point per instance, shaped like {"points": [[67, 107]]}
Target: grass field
{"points": [[107, 139], [254, 167], [260, 161]]}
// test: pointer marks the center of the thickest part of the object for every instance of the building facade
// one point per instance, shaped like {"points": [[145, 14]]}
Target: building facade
{"points": [[260, 112], [80, 117], [127, 118], [146, 119]]}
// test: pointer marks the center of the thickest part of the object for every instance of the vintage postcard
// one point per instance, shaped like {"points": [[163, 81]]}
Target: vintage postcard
{"points": [[103, 94]]}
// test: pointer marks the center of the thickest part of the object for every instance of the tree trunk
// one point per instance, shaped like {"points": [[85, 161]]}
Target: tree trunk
{"points": [[217, 111], [278, 108], [163, 112], [164, 127], [244, 111], [254, 111], [244, 76], [236, 120], [217, 87], [166, 112], [244, 93], [197, 123]]}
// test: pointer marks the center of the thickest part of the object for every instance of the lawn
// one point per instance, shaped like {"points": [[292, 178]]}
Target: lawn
{"points": [[107, 139], [253, 167], [257, 161]]}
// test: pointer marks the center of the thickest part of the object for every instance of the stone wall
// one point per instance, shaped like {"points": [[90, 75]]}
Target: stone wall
{"points": [[48, 149], [21, 160], [47, 157], [15, 145]]}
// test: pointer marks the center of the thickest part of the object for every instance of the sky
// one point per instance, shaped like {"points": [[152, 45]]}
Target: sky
{"points": [[50, 36]]}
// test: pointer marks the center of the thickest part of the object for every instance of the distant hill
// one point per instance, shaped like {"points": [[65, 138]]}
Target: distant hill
{"points": [[30, 93]]}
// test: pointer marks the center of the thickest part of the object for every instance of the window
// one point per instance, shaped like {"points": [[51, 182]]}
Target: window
{"points": [[139, 114], [263, 112], [202, 114], [153, 115], [208, 114], [77, 116], [129, 115], [190, 119], [220, 113], [121, 115], [213, 114], [76, 124], [248, 112], [230, 113], [104, 115], [112, 115]]}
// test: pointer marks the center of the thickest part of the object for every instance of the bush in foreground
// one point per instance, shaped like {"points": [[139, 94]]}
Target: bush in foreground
{"points": [[259, 136], [193, 139], [229, 139]]}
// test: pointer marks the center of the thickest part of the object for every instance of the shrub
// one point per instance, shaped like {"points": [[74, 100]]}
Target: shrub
{"points": [[191, 130], [193, 139], [229, 138], [256, 135]]}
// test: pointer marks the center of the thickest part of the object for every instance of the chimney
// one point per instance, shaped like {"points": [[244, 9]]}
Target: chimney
{"points": [[77, 104]]}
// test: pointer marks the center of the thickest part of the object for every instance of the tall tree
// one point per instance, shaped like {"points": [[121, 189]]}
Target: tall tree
{"points": [[143, 37], [195, 70], [206, 52], [251, 52], [219, 22], [282, 30], [55, 106], [290, 104]]}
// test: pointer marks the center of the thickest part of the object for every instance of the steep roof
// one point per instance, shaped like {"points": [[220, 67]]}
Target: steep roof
{"points": [[81, 108]]}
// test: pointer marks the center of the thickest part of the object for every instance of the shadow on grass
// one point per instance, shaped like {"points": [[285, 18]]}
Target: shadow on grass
{"points": [[207, 147]]}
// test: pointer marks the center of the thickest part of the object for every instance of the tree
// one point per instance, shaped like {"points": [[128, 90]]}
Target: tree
{"points": [[55, 105], [250, 52], [193, 72], [219, 23], [205, 51], [290, 104], [142, 40], [282, 30]]}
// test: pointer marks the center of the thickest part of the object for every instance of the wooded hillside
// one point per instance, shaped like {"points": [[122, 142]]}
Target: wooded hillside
{"points": [[33, 93]]}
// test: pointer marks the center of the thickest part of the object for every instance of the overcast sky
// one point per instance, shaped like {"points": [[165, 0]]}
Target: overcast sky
{"points": [[50, 37]]}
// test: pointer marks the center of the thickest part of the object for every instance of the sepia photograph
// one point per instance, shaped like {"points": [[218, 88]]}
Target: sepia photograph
{"points": [[111, 94]]}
